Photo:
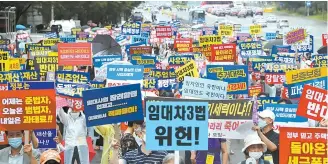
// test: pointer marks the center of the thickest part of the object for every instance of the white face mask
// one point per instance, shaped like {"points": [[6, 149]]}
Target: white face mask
{"points": [[255, 155], [144, 138], [75, 115]]}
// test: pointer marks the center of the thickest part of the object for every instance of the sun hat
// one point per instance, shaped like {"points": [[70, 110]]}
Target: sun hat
{"points": [[49, 155], [267, 114], [253, 139]]}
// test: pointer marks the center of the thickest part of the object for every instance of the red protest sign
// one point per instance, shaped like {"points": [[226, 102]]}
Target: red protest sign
{"points": [[324, 39], [75, 103], [163, 32], [74, 54], [303, 145], [28, 109], [140, 50], [313, 103], [183, 44], [275, 78], [223, 53], [255, 90], [206, 51]]}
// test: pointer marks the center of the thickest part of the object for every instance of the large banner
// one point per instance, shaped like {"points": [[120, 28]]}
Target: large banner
{"points": [[112, 105], [177, 125], [303, 145], [189, 69], [223, 53], [74, 54]]}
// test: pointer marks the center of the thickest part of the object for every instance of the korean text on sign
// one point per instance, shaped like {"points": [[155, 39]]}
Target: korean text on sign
{"points": [[176, 125], [46, 138], [72, 77], [305, 74], [74, 54], [255, 29], [297, 35], [163, 31], [4, 61], [28, 109], [248, 49], [295, 89], [223, 52], [303, 145], [204, 88], [46, 64], [129, 28], [113, 105], [313, 103], [183, 44], [226, 30], [189, 69], [208, 40], [140, 50]]}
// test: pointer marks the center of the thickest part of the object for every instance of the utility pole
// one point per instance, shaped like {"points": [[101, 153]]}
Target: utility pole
{"points": [[52, 12], [308, 5]]}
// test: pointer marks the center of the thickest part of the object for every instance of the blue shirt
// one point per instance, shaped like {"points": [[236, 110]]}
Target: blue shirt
{"points": [[214, 147], [138, 157]]}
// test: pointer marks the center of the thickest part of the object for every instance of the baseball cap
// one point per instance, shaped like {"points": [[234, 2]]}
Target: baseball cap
{"points": [[267, 114], [50, 155]]}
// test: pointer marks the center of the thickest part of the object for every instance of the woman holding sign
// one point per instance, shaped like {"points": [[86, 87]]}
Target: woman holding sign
{"points": [[215, 147]]}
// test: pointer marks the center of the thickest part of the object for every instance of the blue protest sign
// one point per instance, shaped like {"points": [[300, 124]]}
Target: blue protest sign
{"points": [[125, 72], [145, 34], [177, 125], [112, 105], [28, 75], [320, 60], [51, 35], [235, 75], [295, 89], [31, 85], [280, 49], [46, 138], [68, 39], [97, 84], [149, 83], [136, 39], [270, 35], [285, 112], [72, 77], [146, 61], [304, 48], [120, 38], [7, 77], [71, 89], [180, 60], [98, 61], [131, 28], [165, 84], [266, 100], [279, 67], [248, 49]]}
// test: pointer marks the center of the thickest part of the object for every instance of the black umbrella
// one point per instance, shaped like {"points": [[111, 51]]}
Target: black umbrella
{"points": [[105, 42], [322, 50], [273, 42]]}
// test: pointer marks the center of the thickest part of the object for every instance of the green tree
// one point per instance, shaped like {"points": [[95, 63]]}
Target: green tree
{"points": [[21, 7]]}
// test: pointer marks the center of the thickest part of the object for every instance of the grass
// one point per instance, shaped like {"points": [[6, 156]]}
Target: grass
{"points": [[314, 17]]}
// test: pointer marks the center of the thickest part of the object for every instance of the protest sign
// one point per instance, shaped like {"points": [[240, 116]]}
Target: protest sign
{"points": [[163, 74], [145, 27], [140, 50], [112, 105], [224, 115], [255, 90], [226, 30], [319, 60], [131, 28], [74, 31], [50, 76], [205, 51], [204, 88], [6, 77], [74, 54], [45, 64], [303, 145], [50, 42], [285, 116], [46, 138], [266, 100], [189, 69], [295, 89], [124, 72], [313, 103], [183, 44], [276, 67], [31, 85], [253, 48], [149, 84], [237, 27], [169, 127], [4, 61], [223, 53], [136, 39], [270, 35], [235, 75], [148, 62], [274, 78], [208, 30], [296, 35], [163, 31], [243, 37], [99, 61], [208, 40], [304, 48], [82, 36], [28, 109], [255, 29], [287, 58], [295, 76], [180, 60], [72, 77], [324, 39], [68, 39]]}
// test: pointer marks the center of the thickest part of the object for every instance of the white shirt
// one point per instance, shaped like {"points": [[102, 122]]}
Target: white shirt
{"points": [[16, 159]]}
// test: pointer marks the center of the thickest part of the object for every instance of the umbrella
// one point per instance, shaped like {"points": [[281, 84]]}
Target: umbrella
{"points": [[273, 42], [322, 50], [105, 42], [20, 27]]}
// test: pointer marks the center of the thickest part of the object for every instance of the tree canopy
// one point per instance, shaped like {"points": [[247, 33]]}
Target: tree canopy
{"points": [[97, 11]]}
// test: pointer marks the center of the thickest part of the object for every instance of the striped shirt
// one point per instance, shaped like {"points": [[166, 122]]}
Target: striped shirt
{"points": [[138, 157]]}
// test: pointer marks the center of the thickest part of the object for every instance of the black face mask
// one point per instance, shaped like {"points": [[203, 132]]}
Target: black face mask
{"points": [[52, 162]]}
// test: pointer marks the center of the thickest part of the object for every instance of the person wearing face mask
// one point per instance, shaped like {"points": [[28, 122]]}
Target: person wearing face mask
{"points": [[141, 155], [265, 131], [253, 150], [128, 141], [76, 147], [17, 152]]}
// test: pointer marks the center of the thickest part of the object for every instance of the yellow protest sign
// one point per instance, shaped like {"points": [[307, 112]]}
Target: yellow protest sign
{"points": [[226, 30], [14, 64], [255, 29], [296, 76], [50, 42], [53, 54], [189, 69], [4, 61], [108, 27], [75, 30], [207, 40]]}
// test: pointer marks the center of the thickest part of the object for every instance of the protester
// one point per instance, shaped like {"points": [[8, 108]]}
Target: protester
{"points": [[17, 152], [284, 101], [76, 147], [216, 146], [266, 133], [254, 149], [50, 157], [170, 159]]}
